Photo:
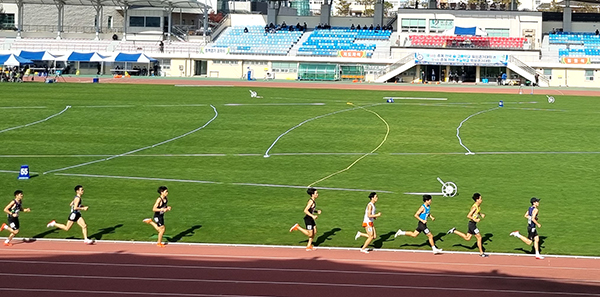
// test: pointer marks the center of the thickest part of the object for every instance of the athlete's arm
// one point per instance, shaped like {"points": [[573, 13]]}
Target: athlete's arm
{"points": [[155, 207], [7, 208], [472, 215], [526, 214], [307, 208], [421, 209], [534, 217]]}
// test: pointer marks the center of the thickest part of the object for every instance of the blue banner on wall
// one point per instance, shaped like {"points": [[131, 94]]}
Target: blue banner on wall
{"points": [[461, 59]]}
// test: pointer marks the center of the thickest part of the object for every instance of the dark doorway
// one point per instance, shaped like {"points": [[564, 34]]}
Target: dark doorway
{"points": [[433, 72], [200, 67]]}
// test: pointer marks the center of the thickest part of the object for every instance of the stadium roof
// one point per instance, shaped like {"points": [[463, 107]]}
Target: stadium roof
{"points": [[120, 3]]}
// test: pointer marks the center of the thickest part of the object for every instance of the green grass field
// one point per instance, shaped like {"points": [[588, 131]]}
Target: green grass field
{"points": [[107, 120]]}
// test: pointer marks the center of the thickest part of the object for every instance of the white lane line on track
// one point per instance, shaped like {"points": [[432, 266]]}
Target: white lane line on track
{"points": [[311, 271], [119, 293], [293, 283], [36, 122], [140, 149]]}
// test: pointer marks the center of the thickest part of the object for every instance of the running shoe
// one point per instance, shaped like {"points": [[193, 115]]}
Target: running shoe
{"points": [[147, 221], [3, 226], [295, 227], [88, 241], [7, 244], [451, 230], [515, 234], [539, 257], [364, 251], [161, 245], [400, 232], [437, 251], [357, 235], [310, 248], [483, 255], [51, 224]]}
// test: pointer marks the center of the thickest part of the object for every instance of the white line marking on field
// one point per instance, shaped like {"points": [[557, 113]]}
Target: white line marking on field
{"points": [[288, 283], [270, 104], [387, 132], [206, 182], [141, 178], [119, 293], [306, 121], [460, 125], [36, 122], [22, 107], [304, 187], [415, 98], [105, 106], [140, 149]]}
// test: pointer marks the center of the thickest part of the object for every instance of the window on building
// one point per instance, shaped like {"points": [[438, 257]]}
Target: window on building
{"points": [[284, 67], [497, 32], [109, 25], [589, 75], [548, 73], [439, 26], [8, 20], [153, 22], [413, 25], [135, 21]]}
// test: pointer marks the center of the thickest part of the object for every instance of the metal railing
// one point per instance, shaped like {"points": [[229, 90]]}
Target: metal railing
{"points": [[70, 29], [396, 65], [528, 69]]}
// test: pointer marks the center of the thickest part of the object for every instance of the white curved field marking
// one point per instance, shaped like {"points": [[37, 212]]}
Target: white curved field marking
{"points": [[363, 156], [140, 149], [36, 122], [460, 125], [311, 119]]}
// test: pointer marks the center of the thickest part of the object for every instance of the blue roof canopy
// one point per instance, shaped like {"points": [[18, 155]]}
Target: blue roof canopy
{"points": [[140, 58], [465, 31], [37, 56]]}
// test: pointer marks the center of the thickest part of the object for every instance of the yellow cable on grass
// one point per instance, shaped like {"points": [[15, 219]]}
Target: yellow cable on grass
{"points": [[356, 161]]}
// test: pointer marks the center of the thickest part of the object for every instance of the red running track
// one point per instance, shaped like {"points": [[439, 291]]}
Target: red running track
{"points": [[70, 268]]}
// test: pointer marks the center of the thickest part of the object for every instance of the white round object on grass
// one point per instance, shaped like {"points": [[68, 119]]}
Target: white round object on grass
{"points": [[550, 99]]}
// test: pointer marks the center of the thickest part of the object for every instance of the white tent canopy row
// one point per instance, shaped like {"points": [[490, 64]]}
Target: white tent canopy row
{"points": [[124, 59], [98, 5]]}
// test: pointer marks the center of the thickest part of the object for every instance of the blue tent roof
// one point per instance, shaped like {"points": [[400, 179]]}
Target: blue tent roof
{"points": [[465, 31], [36, 56], [142, 58], [13, 60], [81, 57]]}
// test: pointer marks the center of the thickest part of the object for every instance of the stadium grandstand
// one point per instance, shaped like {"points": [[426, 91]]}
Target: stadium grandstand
{"points": [[442, 44]]}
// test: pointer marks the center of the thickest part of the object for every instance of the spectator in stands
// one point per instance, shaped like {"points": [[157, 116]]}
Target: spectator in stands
{"points": [[432, 75], [266, 29], [422, 76], [371, 28], [115, 37], [537, 79], [503, 81], [553, 31], [443, 75], [597, 32], [304, 27], [378, 27], [352, 27], [161, 46], [358, 27], [245, 29]]}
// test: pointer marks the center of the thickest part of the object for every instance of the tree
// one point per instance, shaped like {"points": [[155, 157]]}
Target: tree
{"points": [[343, 7], [387, 7], [368, 11]]}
